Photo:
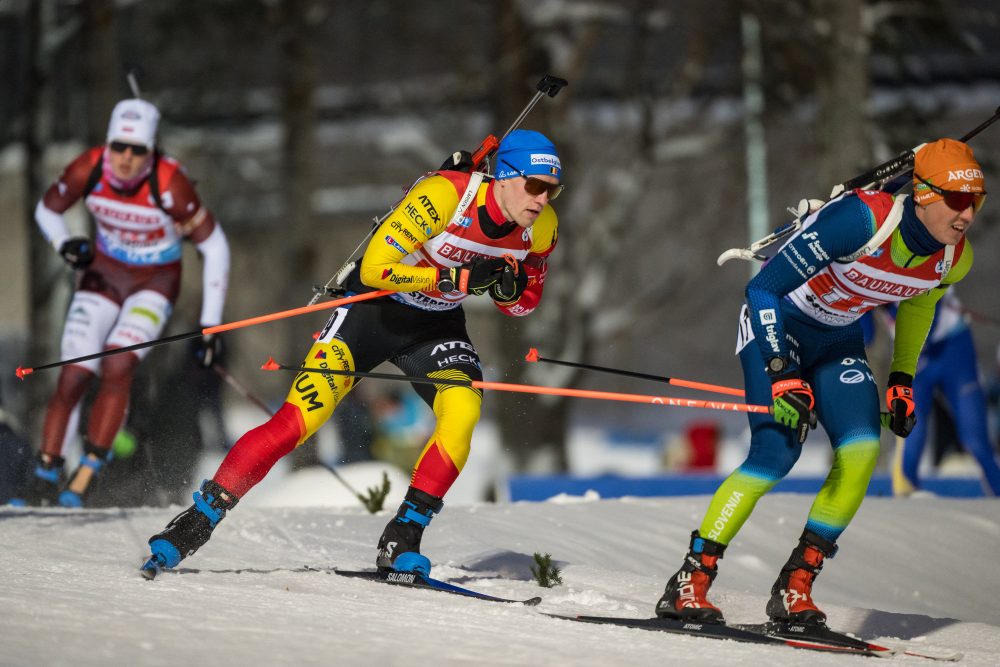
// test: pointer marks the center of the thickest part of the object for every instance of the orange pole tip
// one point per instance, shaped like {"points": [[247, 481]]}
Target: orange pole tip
{"points": [[532, 355], [21, 372], [270, 365]]}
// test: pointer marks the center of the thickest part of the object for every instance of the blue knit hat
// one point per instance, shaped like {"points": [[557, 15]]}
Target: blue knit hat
{"points": [[527, 153]]}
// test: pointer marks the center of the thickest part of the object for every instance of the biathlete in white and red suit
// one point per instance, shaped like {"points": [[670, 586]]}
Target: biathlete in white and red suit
{"points": [[129, 277], [802, 350], [453, 234]]}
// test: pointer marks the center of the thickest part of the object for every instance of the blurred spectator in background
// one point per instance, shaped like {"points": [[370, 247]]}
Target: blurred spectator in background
{"points": [[947, 368], [129, 277], [355, 427], [15, 456], [402, 425], [695, 450], [993, 397]]}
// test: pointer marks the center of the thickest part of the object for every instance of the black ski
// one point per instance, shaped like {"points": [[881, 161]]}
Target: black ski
{"points": [[417, 580], [821, 633], [722, 631]]}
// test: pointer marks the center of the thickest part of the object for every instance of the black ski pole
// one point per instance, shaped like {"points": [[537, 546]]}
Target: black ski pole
{"points": [[132, 74]]}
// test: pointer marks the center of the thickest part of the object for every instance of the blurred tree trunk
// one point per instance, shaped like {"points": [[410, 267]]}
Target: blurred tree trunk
{"points": [[39, 346], [104, 73], [299, 21], [595, 215], [842, 89]]}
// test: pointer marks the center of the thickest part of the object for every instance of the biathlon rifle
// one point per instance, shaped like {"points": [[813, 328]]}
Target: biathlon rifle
{"points": [[889, 176], [547, 85]]}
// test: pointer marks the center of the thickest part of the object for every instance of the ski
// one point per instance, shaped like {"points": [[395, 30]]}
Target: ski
{"points": [[417, 580], [821, 633], [722, 631]]}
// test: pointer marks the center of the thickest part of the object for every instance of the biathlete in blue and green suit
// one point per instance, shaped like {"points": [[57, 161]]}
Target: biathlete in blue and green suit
{"points": [[802, 350]]}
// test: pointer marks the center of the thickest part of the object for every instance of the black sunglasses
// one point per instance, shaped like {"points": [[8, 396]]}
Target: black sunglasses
{"points": [[121, 147], [536, 186], [955, 200]]}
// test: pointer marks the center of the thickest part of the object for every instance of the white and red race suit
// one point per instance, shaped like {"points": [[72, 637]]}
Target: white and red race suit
{"points": [[126, 295]]}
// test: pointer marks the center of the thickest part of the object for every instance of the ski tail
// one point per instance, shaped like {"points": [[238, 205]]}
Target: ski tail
{"points": [[418, 580]]}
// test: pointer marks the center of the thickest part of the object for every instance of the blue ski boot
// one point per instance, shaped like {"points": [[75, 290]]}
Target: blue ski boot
{"points": [[42, 489], [188, 531], [399, 546], [80, 482]]}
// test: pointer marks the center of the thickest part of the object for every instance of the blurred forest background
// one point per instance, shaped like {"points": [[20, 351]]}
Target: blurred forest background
{"points": [[687, 128]]}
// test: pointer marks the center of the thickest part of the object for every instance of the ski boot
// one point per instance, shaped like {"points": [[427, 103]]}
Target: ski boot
{"points": [[399, 546], [791, 596], [188, 531], [93, 461], [42, 488], [684, 597]]}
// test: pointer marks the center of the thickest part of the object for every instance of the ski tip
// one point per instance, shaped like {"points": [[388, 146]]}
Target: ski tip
{"points": [[532, 355]]}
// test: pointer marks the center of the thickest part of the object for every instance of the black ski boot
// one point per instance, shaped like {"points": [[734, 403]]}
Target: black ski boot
{"points": [[399, 546], [81, 481], [188, 531], [685, 595], [42, 488], [791, 596]]}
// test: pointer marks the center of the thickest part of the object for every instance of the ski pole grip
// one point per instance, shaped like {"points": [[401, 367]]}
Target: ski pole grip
{"points": [[551, 85]]}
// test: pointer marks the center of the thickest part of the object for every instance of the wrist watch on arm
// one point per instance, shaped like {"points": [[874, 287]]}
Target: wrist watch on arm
{"points": [[445, 282], [776, 365]]}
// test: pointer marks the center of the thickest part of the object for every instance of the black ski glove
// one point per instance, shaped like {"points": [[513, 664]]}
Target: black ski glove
{"points": [[512, 283], [794, 404], [901, 418], [77, 251], [458, 161], [475, 277], [207, 350]]}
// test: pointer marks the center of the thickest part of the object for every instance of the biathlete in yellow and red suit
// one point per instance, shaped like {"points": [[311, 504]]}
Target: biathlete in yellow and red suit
{"points": [[453, 234]]}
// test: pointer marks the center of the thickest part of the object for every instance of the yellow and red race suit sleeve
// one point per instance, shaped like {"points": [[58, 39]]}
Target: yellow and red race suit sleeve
{"points": [[423, 213], [544, 235]]}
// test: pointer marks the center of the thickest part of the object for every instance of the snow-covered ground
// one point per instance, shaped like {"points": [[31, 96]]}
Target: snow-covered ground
{"points": [[921, 571]]}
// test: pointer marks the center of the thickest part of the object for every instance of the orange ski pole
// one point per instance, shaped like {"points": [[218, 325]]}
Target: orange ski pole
{"points": [[272, 365], [533, 356], [21, 372]]}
